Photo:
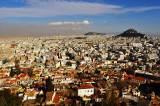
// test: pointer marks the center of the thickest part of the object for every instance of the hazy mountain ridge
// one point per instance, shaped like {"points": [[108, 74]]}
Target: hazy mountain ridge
{"points": [[94, 33]]}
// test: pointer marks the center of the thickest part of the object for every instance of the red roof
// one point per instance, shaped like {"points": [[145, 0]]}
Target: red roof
{"points": [[69, 77], [85, 86], [58, 72], [37, 71], [139, 78], [126, 78], [100, 86], [131, 76], [36, 90], [98, 63], [55, 53], [56, 98], [121, 72], [104, 70], [15, 76], [6, 76], [136, 78], [23, 75], [7, 79], [45, 79], [84, 80], [87, 69], [4, 71]]}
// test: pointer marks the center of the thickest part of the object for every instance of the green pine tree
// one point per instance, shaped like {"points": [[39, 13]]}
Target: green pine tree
{"points": [[9, 99], [3, 101], [110, 99], [49, 85], [11, 73]]}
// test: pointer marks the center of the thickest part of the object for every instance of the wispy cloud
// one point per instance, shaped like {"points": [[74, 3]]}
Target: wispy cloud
{"points": [[50, 8], [85, 22]]}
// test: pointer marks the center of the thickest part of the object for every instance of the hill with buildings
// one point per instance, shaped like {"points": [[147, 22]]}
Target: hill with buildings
{"points": [[131, 33]]}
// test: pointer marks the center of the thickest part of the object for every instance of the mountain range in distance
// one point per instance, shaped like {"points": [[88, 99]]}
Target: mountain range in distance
{"points": [[94, 33], [128, 33]]}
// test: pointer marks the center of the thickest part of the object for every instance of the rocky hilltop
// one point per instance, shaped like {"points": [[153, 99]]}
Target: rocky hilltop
{"points": [[131, 33]]}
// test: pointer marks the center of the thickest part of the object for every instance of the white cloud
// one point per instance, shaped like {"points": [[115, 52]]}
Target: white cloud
{"points": [[85, 22], [50, 8]]}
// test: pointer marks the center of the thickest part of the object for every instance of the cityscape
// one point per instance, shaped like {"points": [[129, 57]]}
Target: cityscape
{"points": [[97, 54]]}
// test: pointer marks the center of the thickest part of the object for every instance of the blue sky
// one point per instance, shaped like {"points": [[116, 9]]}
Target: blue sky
{"points": [[53, 17]]}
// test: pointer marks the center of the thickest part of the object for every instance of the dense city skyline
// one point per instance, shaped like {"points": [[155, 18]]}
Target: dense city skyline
{"points": [[79, 52], [69, 17]]}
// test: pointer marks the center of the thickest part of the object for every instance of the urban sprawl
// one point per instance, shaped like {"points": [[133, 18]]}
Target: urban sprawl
{"points": [[82, 70]]}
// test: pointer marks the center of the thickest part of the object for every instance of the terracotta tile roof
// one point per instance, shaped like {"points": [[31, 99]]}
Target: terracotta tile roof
{"points": [[110, 64], [69, 77], [100, 86], [135, 78], [126, 78], [56, 98], [7, 79], [121, 72], [58, 72], [4, 71], [23, 75], [85, 86], [112, 73], [45, 79], [36, 90], [129, 75], [15, 77], [139, 78], [6, 76], [49, 96], [37, 71], [155, 102], [98, 63], [104, 70], [84, 80]]}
